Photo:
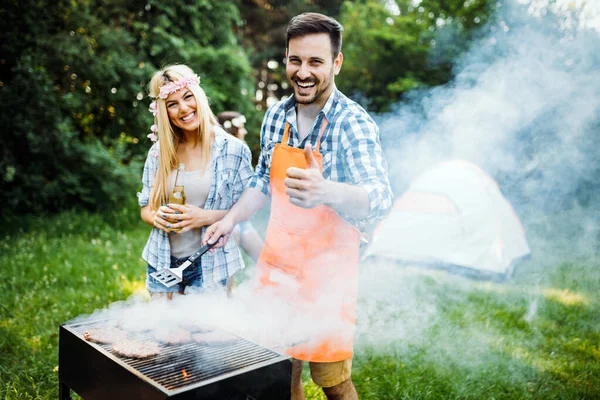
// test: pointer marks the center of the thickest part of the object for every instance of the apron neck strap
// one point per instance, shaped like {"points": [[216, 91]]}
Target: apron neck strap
{"points": [[286, 133]]}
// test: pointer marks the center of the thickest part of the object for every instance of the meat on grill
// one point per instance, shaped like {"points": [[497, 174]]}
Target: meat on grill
{"points": [[136, 348], [173, 335], [136, 324], [105, 335], [214, 338], [195, 328]]}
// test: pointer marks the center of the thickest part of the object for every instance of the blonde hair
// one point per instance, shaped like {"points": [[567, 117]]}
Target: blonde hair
{"points": [[169, 136]]}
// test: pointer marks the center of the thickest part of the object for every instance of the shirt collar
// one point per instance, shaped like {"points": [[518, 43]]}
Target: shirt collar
{"points": [[220, 137], [328, 109]]}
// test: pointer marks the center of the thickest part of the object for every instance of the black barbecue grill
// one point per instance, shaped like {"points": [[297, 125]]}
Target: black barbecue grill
{"points": [[236, 369]]}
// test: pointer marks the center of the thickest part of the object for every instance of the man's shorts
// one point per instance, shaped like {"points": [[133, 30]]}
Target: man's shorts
{"points": [[192, 276], [330, 374]]}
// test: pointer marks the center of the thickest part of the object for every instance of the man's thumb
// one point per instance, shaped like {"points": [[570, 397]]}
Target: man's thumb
{"points": [[310, 157], [209, 234]]}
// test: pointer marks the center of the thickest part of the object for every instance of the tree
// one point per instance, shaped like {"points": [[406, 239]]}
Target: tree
{"points": [[73, 91], [264, 25], [392, 47]]}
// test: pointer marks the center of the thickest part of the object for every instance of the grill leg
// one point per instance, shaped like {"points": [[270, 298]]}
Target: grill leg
{"points": [[64, 392]]}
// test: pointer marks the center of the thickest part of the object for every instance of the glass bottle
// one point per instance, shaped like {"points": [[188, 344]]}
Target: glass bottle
{"points": [[178, 195]]}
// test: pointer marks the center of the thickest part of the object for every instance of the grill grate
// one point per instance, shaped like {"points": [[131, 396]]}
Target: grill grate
{"points": [[178, 366]]}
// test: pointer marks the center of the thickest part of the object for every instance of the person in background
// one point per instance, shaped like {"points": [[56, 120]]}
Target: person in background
{"points": [[322, 165], [217, 168], [244, 233], [234, 123]]}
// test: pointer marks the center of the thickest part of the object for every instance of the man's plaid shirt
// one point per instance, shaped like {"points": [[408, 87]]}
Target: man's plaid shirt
{"points": [[232, 169], [350, 147]]}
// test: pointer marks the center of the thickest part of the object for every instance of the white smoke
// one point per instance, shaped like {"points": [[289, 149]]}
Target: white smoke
{"points": [[523, 105], [257, 314]]}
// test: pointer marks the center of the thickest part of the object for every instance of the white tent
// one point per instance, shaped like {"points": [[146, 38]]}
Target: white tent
{"points": [[453, 215]]}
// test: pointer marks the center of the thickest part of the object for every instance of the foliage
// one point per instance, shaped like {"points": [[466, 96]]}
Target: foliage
{"points": [[73, 105], [392, 49], [73, 77], [264, 25], [483, 342], [262, 33]]}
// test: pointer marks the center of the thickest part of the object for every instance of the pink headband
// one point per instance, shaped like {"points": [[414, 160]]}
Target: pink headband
{"points": [[173, 87], [165, 91]]}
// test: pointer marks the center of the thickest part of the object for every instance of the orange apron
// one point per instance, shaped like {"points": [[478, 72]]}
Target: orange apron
{"points": [[317, 252]]}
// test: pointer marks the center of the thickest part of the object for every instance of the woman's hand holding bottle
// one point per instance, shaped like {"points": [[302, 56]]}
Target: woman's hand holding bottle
{"points": [[187, 217], [163, 219]]}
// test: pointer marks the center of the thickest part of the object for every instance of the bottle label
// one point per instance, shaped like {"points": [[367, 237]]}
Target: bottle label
{"points": [[177, 195]]}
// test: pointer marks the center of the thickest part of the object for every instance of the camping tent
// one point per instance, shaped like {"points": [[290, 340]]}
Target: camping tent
{"points": [[453, 216]]}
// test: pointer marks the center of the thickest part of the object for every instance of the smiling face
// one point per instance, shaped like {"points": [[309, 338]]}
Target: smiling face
{"points": [[310, 68], [181, 107]]}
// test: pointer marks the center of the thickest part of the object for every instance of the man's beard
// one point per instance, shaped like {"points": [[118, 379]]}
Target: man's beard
{"points": [[318, 94]]}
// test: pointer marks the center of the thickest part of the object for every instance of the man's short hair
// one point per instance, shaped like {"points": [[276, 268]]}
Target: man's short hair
{"points": [[310, 23]]}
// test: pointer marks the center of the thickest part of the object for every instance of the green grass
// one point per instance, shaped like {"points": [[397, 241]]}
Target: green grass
{"points": [[54, 270], [428, 336], [487, 340]]}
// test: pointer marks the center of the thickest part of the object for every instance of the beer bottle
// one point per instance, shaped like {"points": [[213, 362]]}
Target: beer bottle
{"points": [[178, 195]]}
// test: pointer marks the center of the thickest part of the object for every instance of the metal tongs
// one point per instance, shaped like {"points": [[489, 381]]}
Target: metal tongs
{"points": [[172, 276]]}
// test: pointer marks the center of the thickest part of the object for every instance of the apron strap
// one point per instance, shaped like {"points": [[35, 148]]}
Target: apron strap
{"points": [[323, 127], [286, 133]]}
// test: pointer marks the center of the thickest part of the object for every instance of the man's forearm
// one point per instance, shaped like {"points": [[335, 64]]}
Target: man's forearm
{"points": [[213, 216], [346, 199], [247, 205]]}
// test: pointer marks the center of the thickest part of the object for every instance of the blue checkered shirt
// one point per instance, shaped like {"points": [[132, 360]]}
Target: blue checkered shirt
{"points": [[350, 147], [232, 169]]}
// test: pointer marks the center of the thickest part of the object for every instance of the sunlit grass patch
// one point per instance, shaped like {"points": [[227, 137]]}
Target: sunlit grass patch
{"points": [[137, 286], [566, 297]]}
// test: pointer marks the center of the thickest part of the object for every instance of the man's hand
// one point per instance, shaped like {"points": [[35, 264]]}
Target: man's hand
{"points": [[306, 187], [218, 232]]}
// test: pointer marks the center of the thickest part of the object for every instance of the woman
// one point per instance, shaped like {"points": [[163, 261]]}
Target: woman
{"points": [[217, 168], [244, 233]]}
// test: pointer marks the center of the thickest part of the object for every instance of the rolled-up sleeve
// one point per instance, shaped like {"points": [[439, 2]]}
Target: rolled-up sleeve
{"points": [[244, 173], [148, 176], [367, 166]]}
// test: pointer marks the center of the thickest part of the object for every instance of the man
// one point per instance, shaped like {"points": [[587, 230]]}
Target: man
{"points": [[321, 201]]}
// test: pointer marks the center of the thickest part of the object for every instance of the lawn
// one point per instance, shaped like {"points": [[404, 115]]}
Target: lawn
{"points": [[421, 334]]}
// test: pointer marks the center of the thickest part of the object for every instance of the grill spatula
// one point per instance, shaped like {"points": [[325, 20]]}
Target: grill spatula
{"points": [[173, 276]]}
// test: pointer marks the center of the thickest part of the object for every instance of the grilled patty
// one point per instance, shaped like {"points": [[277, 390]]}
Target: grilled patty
{"points": [[136, 348], [105, 335], [173, 335], [195, 328]]}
